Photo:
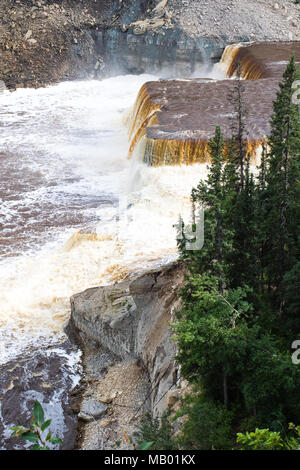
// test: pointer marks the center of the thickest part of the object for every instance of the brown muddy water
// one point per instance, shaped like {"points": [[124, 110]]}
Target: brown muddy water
{"points": [[75, 213]]}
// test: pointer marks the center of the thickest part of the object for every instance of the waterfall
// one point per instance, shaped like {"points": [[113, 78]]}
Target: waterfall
{"points": [[173, 120], [238, 57], [259, 60]]}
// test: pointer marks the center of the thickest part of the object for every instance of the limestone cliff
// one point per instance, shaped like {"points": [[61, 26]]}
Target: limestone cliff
{"points": [[131, 319]]}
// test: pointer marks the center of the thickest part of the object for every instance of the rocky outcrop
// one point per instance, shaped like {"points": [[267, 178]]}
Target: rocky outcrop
{"points": [[92, 409], [166, 52], [132, 319], [176, 37], [43, 41]]}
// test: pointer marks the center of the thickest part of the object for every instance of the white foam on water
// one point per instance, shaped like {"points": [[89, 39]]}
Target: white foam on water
{"points": [[73, 135]]}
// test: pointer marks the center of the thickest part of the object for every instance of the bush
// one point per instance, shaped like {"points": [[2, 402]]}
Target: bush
{"points": [[159, 432], [260, 439], [208, 425], [264, 439]]}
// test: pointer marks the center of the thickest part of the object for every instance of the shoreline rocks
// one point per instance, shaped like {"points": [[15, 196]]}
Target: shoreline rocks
{"points": [[92, 409]]}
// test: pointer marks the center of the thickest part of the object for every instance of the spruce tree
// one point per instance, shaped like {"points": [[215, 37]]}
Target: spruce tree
{"points": [[240, 200], [238, 146], [260, 214], [282, 177], [229, 337], [210, 195]]}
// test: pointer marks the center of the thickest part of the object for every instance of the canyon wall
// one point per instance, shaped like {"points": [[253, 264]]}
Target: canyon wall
{"points": [[131, 319], [46, 41], [167, 53]]}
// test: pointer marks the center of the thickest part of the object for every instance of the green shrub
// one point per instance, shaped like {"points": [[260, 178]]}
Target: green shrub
{"points": [[156, 431], [264, 439], [208, 425], [260, 439]]}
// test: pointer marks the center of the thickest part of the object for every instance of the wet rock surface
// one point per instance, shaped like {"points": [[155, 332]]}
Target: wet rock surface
{"points": [[49, 375]]}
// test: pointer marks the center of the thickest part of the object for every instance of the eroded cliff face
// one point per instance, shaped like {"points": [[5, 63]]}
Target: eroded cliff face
{"points": [[176, 37], [46, 41], [167, 52], [131, 319]]}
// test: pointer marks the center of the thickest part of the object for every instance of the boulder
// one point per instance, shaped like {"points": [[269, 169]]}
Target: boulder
{"points": [[91, 410]]}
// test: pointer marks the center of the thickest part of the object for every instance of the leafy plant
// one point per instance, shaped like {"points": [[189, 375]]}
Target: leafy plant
{"points": [[141, 445], [264, 439], [35, 432], [260, 439], [208, 425], [155, 433], [145, 446]]}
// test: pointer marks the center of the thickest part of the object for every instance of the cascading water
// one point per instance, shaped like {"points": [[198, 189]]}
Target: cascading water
{"points": [[75, 213]]}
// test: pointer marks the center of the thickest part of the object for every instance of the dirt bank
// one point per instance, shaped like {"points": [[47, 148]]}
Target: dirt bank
{"points": [[45, 41]]}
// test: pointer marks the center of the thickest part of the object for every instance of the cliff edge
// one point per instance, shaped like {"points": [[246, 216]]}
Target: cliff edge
{"points": [[129, 321]]}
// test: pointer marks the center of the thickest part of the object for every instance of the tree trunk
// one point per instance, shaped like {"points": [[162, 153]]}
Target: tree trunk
{"points": [[225, 390]]}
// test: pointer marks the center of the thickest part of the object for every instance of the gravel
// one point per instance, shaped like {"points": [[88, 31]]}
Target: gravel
{"points": [[253, 19]]}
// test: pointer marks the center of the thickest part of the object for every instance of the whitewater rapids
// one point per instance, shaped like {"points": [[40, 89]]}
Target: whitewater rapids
{"points": [[74, 211]]}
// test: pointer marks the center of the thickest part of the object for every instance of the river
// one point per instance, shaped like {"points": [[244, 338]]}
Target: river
{"points": [[75, 213]]}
